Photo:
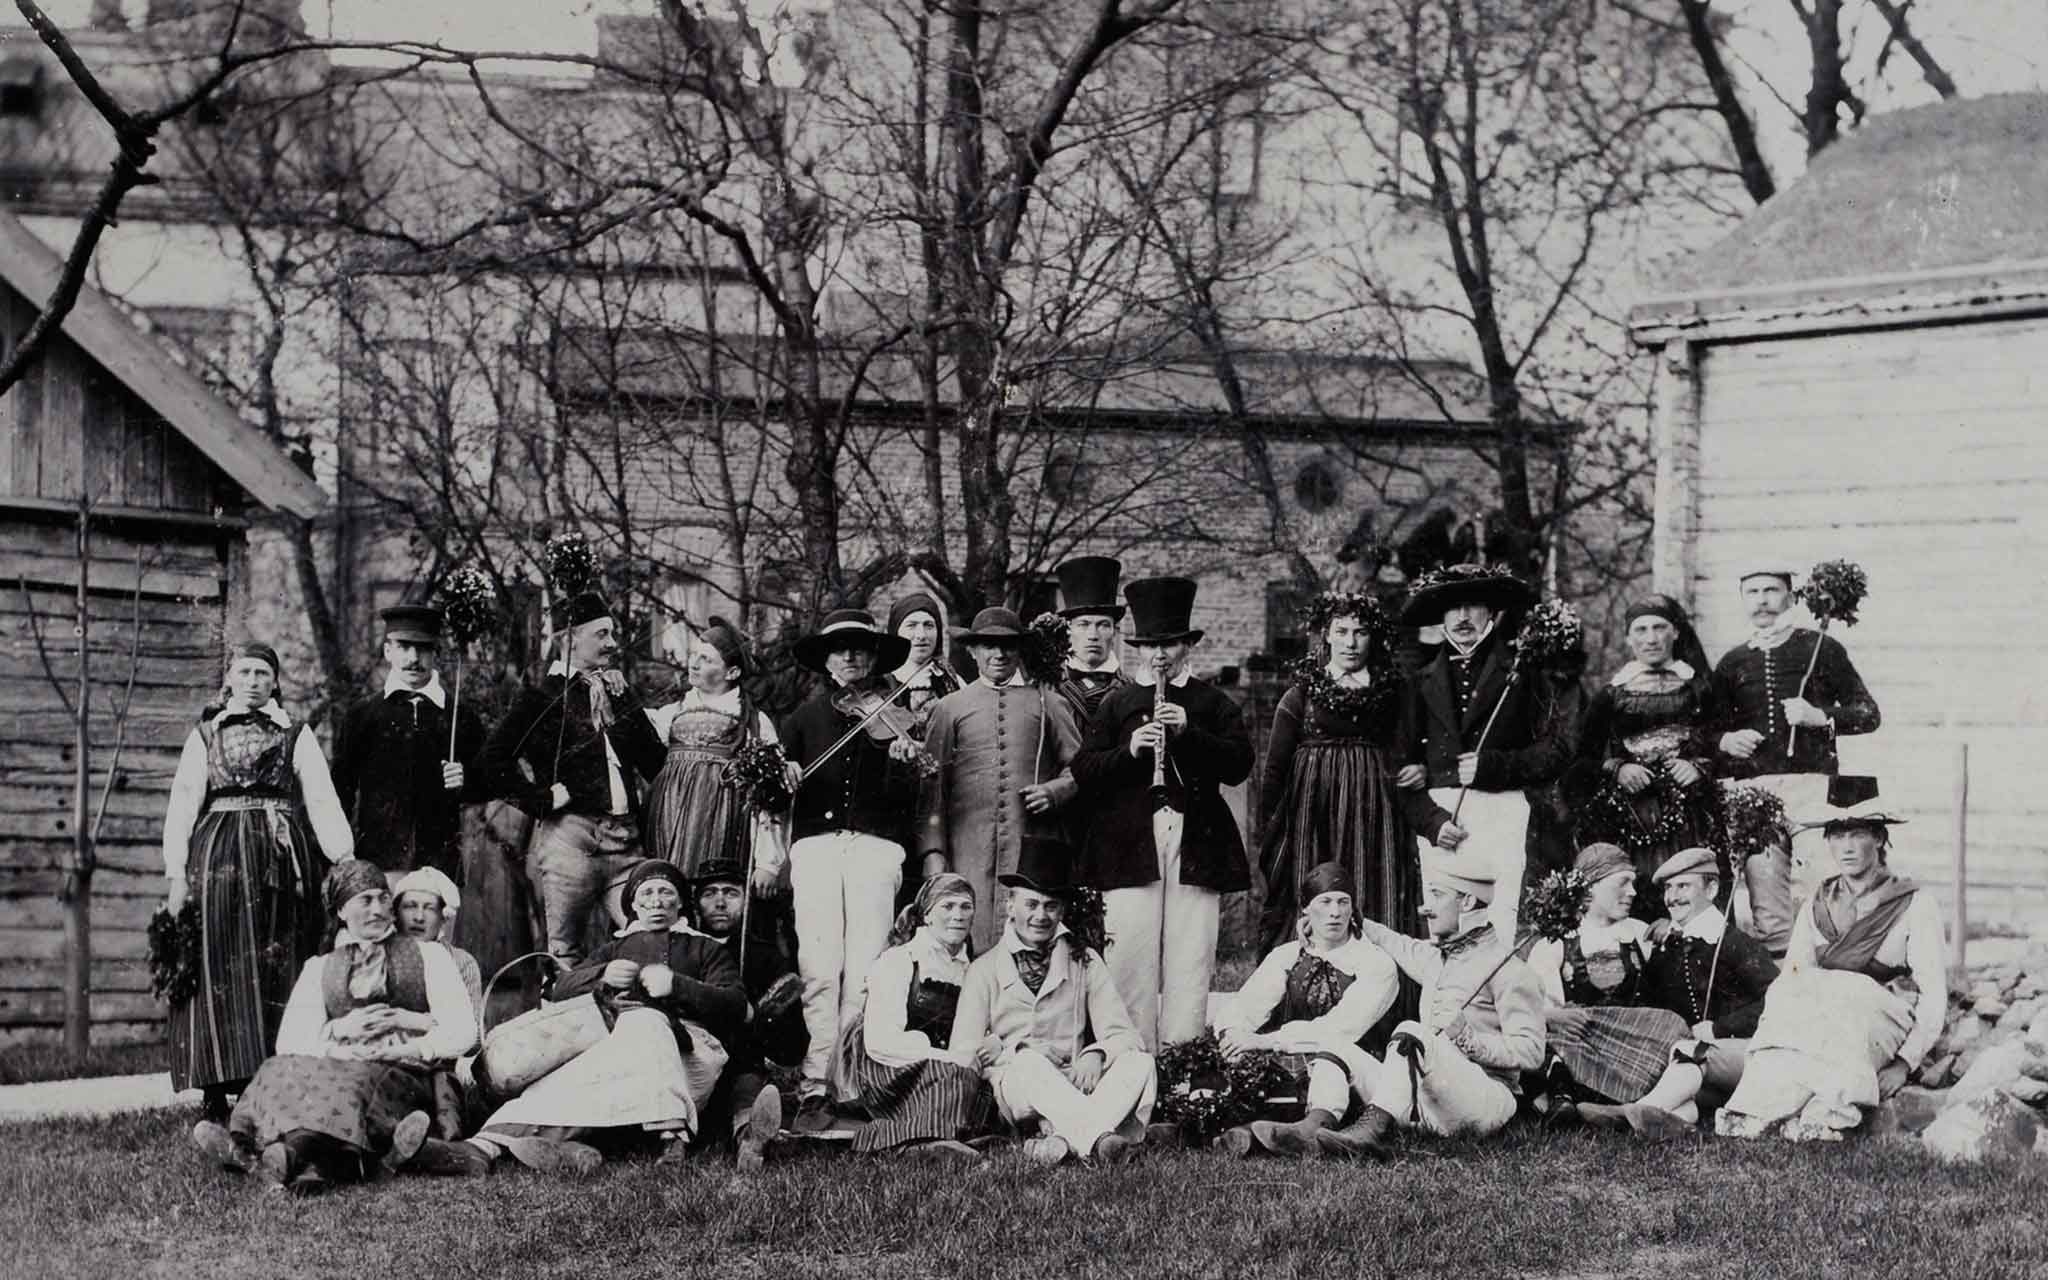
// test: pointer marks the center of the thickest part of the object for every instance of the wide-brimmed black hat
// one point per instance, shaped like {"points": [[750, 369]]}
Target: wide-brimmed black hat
{"points": [[413, 623], [1088, 587], [851, 629], [1852, 798], [1441, 589], [1161, 609], [1045, 864], [993, 626]]}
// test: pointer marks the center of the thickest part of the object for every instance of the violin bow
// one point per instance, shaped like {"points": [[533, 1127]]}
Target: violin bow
{"points": [[881, 705]]}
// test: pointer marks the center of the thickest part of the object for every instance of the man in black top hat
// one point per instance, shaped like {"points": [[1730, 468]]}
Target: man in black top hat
{"points": [[852, 823], [1162, 845], [566, 754], [1757, 701], [402, 793], [1449, 705], [1088, 602]]}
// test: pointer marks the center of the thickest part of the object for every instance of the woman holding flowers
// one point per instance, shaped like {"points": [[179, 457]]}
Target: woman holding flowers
{"points": [[692, 818], [1328, 790]]}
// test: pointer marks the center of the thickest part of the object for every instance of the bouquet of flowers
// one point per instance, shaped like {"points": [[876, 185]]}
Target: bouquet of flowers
{"points": [[1205, 1093], [1087, 928], [1833, 592], [757, 772], [570, 564], [1754, 820], [174, 948], [471, 610], [1045, 649], [1552, 635], [1555, 904]]}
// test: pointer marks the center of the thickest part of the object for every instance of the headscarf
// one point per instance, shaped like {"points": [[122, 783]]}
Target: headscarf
{"points": [[366, 973], [349, 877], [908, 921], [1327, 877], [259, 651], [1596, 862], [430, 880], [919, 602], [1685, 645]]}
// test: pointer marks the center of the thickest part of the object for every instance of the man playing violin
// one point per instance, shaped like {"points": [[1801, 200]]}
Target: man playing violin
{"points": [[855, 776]]}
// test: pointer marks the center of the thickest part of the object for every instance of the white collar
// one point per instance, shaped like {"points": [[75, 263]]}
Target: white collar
{"points": [[1015, 681], [1113, 666], [348, 937], [925, 938], [903, 674], [270, 709], [728, 702], [1145, 679], [431, 690], [1777, 633], [1464, 651], [1632, 669], [1707, 926], [681, 925], [1359, 679]]}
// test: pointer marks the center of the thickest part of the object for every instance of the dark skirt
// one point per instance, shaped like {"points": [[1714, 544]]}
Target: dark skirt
{"points": [[692, 817], [1615, 1054], [923, 1102], [356, 1103], [253, 877]]}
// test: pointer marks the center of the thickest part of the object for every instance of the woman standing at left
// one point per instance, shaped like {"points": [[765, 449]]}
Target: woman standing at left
{"points": [[692, 817], [251, 797]]}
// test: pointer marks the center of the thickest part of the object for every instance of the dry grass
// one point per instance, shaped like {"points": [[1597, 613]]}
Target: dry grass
{"points": [[127, 1197]]}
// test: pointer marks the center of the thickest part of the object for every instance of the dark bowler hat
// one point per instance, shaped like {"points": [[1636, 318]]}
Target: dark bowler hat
{"points": [[413, 623], [1161, 609], [851, 629], [1044, 865], [1088, 587], [1438, 591], [584, 606], [719, 871], [996, 626]]}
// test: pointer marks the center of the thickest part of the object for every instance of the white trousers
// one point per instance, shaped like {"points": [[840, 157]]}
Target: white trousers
{"points": [[1453, 1096], [1776, 882], [1496, 824], [1029, 1086], [1164, 944], [1331, 1087], [843, 888]]}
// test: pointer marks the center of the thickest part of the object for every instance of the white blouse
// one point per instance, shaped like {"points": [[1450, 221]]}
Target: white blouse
{"points": [[883, 1033], [316, 789], [663, 716], [1376, 982], [306, 1029], [1915, 944]]}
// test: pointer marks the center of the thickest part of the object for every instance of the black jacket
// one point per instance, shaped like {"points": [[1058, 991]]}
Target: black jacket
{"points": [[1212, 752], [859, 789], [707, 988], [388, 752], [547, 738], [1531, 743], [1749, 686], [1675, 978]]}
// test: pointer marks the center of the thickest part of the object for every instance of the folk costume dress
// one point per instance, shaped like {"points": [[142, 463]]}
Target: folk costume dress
{"points": [[313, 1084], [693, 818], [1648, 716], [1316, 1007], [895, 1060], [1610, 1045], [250, 799], [1865, 982], [1327, 794]]}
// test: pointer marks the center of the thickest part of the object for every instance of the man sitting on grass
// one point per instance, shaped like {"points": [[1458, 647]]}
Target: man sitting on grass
{"points": [[1041, 1015], [746, 1097], [1458, 1070]]}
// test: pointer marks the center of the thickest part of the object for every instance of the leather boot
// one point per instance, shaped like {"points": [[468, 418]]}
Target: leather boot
{"points": [[1235, 1141], [449, 1160], [1363, 1139], [406, 1139], [222, 1146], [1297, 1139]]}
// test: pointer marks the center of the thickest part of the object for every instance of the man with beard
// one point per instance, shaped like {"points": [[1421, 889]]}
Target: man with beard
{"points": [[746, 1096]]}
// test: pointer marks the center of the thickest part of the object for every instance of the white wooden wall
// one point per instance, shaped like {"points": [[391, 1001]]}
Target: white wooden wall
{"points": [[1921, 454]]}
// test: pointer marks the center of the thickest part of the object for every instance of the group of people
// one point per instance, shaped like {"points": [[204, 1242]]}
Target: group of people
{"points": [[997, 900]]}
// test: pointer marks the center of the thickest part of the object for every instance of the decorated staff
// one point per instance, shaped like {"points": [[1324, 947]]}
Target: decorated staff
{"points": [[405, 760], [470, 610], [1490, 720], [1779, 701]]}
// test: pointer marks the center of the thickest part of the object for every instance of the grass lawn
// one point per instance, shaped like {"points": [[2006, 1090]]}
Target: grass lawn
{"points": [[127, 1197], [28, 1063]]}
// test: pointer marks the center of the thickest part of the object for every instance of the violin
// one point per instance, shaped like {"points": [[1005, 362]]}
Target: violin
{"points": [[880, 716]]}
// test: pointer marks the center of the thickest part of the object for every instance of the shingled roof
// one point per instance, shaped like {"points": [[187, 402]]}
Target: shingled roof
{"points": [[1924, 199]]}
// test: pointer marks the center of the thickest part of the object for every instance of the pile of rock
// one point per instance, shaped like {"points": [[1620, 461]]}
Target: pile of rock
{"points": [[1983, 1089]]}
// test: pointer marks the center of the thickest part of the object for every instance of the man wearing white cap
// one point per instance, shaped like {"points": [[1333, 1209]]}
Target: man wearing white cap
{"points": [[425, 901], [1458, 1071]]}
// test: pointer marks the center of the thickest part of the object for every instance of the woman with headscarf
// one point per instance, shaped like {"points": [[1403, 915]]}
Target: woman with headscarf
{"points": [[693, 818], [251, 797], [895, 1060], [352, 1085], [1314, 999], [1328, 788], [426, 901], [920, 619], [1643, 777], [672, 999]]}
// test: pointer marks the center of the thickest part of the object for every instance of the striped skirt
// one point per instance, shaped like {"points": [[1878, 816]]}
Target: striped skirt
{"points": [[1617, 1053], [923, 1102], [253, 878]]}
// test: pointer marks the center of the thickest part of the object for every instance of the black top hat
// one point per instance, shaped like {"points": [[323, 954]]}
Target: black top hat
{"points": [[1161, 609], [1088, 586], [851, 629], [584, 606], [994, 626], [1457, 584], [1044, 865], [413, 623]]}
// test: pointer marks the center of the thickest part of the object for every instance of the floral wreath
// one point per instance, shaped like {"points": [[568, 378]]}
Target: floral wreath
{"points": [[174, 948], [1349, 702], [1610, 813], [1203, 1093], [1753, 820]]}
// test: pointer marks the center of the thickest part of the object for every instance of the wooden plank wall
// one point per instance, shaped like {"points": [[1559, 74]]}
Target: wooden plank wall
{"points": [[176, 648], [1921, 455]]}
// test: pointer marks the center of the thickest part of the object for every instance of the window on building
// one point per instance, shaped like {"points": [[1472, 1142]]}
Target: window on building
{"points": [[1067, 475], [21, 86], [1286, 635], [685, 605], [1317, 486]]}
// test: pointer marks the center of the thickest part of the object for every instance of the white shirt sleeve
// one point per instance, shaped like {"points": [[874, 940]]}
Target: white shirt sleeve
{"points": [[323, 804], [454, 1030], [1928, 960], [883, 1033], [662, 717], [1374, 983], [1419, 960], [1547, 959], [304, 1027], [188, 796], [1261, 993]]}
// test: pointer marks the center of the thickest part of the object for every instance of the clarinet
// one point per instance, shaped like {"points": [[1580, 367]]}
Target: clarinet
{"points": [[1159, 795]]}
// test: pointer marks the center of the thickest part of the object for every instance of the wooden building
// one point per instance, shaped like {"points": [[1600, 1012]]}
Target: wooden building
{"points": [[107, 430], [1861, 371]]}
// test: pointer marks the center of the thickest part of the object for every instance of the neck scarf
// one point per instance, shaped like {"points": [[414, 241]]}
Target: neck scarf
{"points": [[1853, 926], [431, 690], [366, 977], [1767, 638], [1033, 964]]}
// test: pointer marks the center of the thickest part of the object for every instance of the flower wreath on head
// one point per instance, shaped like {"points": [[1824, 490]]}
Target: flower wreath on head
{"points": [[1312, 673]]}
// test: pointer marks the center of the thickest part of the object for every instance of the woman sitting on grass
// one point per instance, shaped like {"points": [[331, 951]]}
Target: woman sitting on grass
{"points": [[894, 1059], [351, 1087]]}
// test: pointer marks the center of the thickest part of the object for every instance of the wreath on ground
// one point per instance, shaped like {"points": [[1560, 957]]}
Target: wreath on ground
{"points": [[1203, 1093]]}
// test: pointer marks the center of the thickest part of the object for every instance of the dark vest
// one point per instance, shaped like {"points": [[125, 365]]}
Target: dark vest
{"points": [[405, 977]]}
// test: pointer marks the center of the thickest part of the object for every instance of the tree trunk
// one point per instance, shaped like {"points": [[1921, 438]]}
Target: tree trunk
{"points": [[1728, 104], [77, 893], [984, 495], [1829, 88]]}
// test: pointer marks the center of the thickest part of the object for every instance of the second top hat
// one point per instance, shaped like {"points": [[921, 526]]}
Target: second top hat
{"points": [[1088, 586], [1161, 609]]}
